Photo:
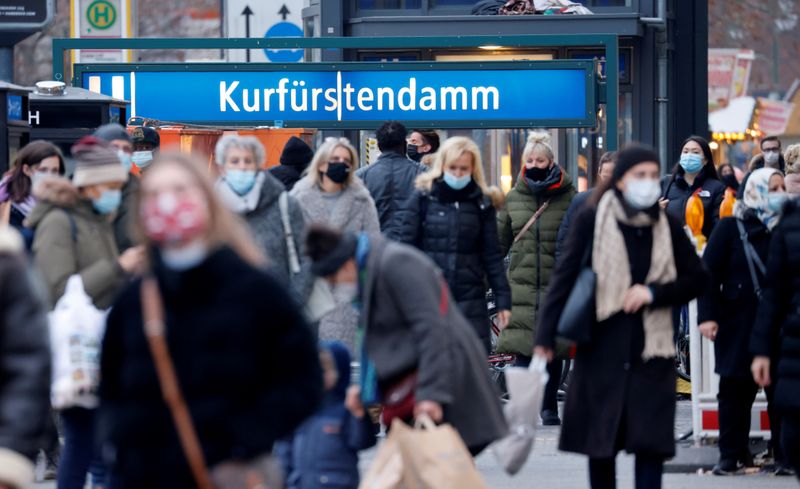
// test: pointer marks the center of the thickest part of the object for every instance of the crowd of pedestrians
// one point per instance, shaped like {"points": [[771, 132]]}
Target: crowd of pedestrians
{"points": [[231, 304]]}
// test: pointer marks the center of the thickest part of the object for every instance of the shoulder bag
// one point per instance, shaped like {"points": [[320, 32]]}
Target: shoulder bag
{"points": [[578, 315], [320, 301], [261, 473], [753, 260], [535, 217]]}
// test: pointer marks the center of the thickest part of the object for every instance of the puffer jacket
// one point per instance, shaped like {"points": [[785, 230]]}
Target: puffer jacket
{"points": [[533, 258], [390, 181], [458, 231], [24, 364], [778, 317], [354, 211], [70, 237], [711, 192]]}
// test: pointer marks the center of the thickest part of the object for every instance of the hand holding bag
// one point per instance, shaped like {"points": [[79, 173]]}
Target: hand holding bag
{"points": [[261, 473], [578, 315]]}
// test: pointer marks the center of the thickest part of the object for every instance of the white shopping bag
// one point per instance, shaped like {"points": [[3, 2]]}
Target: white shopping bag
{"points": [[526, 393], [76, 336]]}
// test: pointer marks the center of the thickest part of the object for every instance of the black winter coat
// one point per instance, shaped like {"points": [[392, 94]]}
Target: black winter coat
{"points": [[615, 400], [245, 360], [288, 175], [730, 299], [578, 203], [677, 191], [458, 230], [24, 359], [779, 312], [390, 182]]}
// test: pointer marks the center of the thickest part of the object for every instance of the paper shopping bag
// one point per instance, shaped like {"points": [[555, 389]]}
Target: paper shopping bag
{"points": [[435, 457], [386, 471], [526, 393]]}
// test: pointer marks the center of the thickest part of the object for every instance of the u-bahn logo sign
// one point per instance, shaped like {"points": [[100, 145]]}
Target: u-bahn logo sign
{"points": [[101, 14], [518, 94]]}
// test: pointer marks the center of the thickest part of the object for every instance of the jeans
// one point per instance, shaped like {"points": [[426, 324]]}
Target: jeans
{"points": [[554, 371], [649, 470], [80, 453]]}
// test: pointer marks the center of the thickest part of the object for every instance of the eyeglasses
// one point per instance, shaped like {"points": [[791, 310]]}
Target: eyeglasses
{"points": [[771, 150]]}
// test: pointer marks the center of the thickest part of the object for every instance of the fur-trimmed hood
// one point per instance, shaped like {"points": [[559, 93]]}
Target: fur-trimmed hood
{"points": [[56, 192]]}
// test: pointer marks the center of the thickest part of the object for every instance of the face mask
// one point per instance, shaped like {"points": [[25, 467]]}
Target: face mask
{"points": [[169, 219], [345, 292], [642, 194], [691, 163], [186, 257], [126, 160], [142, 159], [241, 181], [337, 172], [456, 183], [412, 151], [775, 201], [537, 174], [730, 181], [108, 201], [771, 158]]}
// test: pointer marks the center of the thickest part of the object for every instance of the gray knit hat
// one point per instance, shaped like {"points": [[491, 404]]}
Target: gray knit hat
{"points": [[112, 132], [96, 162]]}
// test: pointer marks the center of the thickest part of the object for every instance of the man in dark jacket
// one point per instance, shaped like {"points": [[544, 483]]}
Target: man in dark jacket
{"points": [[390, 180], [295, 158], [24, 366], [119, 139]]}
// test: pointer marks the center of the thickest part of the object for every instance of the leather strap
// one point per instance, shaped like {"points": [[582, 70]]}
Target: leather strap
{"points": [[531, 221], [153, 311]]}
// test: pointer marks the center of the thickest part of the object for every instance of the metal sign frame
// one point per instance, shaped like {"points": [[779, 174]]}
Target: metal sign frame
{"points": [[586, 66], [608, 42]]}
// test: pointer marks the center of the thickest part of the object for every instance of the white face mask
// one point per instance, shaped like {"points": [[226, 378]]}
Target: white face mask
{"points": [[642, 194], [771, 157], [142, 159]]}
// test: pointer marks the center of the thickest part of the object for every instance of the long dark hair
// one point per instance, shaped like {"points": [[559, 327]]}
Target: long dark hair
{"points": [[19, 184], [709, 169]]}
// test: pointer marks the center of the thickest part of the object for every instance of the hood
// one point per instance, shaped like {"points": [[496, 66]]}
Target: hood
{"points": [[341, 356], [51, 193]]}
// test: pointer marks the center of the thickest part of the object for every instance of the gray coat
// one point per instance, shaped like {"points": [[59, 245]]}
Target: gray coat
{"points": [[353, 211], [266, 225], [390, 181], [404, 297]]}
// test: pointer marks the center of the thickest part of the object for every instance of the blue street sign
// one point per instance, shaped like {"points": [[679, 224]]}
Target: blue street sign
{"points": [[284, 29], [541, 93]]}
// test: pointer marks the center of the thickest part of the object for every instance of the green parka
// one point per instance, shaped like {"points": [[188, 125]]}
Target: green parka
{"points": [[532, 258], [70, 237]]}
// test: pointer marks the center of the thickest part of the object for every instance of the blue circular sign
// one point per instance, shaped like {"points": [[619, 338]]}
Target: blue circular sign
{"points": [[284, 29]]}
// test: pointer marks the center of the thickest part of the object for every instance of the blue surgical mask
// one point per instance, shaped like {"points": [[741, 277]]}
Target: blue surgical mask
{"points": [[125, 158], [37, 177], [775, 201], [142, 159], [240, 181], [108, 201], [691, 163], [456, 183]]}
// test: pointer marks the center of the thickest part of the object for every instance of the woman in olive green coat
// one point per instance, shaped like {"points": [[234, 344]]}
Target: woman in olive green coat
{"points": [[533, 256]]}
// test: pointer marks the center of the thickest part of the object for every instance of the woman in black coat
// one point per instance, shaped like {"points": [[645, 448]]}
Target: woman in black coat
{"points": [[695, 173], [622, 393], [775, 342], [245, 360], [727, 311], [451, 217]]}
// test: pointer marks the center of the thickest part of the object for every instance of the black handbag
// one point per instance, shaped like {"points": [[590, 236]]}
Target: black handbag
{"points": [[578, 315]]}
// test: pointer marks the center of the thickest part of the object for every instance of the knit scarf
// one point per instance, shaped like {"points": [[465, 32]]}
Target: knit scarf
{"points": [[612, 266]]}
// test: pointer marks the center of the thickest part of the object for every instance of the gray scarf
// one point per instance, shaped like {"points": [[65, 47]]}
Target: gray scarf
{"points": [[240, 204]]}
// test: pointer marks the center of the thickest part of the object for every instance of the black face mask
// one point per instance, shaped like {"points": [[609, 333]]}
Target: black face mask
{"points": [[412, 151], [730, 181], [537, 174], [337, 172]]}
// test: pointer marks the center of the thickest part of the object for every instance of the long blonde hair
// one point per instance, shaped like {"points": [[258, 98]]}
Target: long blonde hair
{"points": [[225, 228], [452, 149], [323, 155]]}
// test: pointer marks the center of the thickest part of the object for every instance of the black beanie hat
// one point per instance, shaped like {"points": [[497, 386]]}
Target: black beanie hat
{"points": [[630, 157], [296, 153]]}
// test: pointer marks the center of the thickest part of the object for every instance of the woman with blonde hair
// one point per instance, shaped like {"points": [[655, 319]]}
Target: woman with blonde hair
{"points": [[331, 194], [230, 329], [528, 228], [451, 217], [792, 157]]}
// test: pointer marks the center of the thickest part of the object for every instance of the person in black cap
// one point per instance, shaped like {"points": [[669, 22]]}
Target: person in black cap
{"points": [[622, 392], [146, 143], [295, 158], [117, 137]]}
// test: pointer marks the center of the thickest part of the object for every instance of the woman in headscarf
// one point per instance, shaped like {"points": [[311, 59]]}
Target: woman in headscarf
{"points": [[622, 392], [735, 258]]}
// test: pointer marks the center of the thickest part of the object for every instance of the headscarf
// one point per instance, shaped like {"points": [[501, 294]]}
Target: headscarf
{"points": [[756, 198]]}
